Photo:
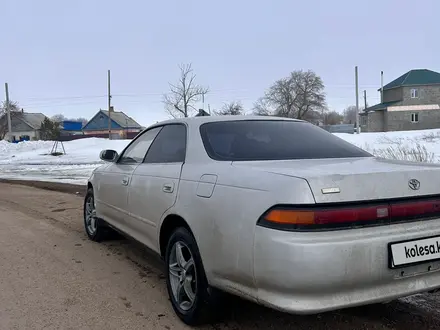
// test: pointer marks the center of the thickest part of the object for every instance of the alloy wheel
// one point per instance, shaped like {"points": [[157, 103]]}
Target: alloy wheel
{"points": [[90, 214], [182, 275]]}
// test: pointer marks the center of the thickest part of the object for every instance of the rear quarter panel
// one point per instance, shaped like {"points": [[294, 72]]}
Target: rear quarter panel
{"points": [[224, 224]]}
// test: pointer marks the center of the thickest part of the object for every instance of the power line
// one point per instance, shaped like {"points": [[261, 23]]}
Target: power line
{"points": [[137, 95]]}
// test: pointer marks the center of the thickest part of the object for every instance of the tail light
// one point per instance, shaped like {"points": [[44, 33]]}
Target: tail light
{"points": [[328, 217]]}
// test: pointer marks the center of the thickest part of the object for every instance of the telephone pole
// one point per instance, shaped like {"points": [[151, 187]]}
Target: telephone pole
{"points": [[8, 111], [381, 87], [357, 98], [365, 99], [109, 107]]}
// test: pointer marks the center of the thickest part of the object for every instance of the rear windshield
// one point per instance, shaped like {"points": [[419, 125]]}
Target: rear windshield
{"points": [[273, 140]]}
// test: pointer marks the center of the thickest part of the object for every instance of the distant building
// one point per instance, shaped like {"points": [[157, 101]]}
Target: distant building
{"points": [[122, 125], [410, 102], [71, 127], [25, 126]]}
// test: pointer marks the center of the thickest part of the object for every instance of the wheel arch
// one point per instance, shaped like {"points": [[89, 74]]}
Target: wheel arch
{"points": [[169, 224]]}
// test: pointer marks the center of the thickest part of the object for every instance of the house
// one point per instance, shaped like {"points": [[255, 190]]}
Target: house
{"points": [[25, 126], [122, 126], [410, 102]]}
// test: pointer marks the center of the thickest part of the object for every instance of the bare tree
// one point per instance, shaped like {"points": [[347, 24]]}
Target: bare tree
{"points": [[234, 108], [14, 108], [333, 118], [350, 114], [60, 117], [180, 101], [296, 95], [261, 107], [314, 117]]}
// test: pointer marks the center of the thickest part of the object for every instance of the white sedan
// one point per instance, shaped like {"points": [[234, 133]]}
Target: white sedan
{"points": [[273, 210]]}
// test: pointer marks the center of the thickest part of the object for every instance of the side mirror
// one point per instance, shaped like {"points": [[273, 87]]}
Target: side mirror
{"points": [[108, 155]]}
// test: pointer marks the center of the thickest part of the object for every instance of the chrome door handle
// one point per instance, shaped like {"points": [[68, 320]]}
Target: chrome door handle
{"points": [[125, 181], [168, 188]]}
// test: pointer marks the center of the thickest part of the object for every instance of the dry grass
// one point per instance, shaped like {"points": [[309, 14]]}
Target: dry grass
{"points": [[414, 153], [431, 137]]}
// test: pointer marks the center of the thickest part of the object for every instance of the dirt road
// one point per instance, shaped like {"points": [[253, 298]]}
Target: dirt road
{"points": [[52, 277]]}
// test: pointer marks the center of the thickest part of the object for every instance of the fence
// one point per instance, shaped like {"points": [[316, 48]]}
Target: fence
{"points": [[128, 136], [341, 128]]}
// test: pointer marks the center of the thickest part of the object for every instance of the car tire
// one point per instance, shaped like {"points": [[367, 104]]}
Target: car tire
{"points": [[95, 228], [190, 295]]}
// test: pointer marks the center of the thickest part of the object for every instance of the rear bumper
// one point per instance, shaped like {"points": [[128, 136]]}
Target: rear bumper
{"points": [[307, 273]]}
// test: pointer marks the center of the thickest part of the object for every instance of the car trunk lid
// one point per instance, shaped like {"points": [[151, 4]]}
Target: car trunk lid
{"points": [[357, 179]]}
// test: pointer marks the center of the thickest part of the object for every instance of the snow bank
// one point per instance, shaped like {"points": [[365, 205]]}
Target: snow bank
{"points": [[31, 160], [378, 143], [78, 152]]}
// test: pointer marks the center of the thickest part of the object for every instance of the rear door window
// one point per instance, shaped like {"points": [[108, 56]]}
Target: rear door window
{"points": [[169, 145]]}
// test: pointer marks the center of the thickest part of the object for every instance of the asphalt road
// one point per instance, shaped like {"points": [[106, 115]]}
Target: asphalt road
{"points": [[52, 277]]}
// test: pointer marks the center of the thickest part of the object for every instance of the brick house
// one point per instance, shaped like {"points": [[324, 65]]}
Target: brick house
{"points": [[410, 102], [121, 124]]}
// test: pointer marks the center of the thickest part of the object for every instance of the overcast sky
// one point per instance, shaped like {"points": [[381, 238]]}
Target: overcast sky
{"points": [[55, 53]]}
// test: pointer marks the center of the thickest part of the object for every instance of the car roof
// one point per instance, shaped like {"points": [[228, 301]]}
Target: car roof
{"points": [[210, 119]]}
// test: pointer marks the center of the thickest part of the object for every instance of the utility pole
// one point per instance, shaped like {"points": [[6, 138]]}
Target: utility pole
{"points": [[109, 107], [357, 98], [365, 99], [8, 111], [381, 87]]}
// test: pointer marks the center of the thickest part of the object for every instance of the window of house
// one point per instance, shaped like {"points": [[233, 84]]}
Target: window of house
{"points": [[414, 93], [414, 117]]}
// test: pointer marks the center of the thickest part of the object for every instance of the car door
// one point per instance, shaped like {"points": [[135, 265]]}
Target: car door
{"points": [[155, 182], [113, 182]]}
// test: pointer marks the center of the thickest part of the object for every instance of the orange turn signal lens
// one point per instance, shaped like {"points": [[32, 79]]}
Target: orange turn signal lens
{"points": [[291, 217]]}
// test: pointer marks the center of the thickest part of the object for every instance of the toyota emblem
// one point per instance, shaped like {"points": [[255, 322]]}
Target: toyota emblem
{"points": [[414, 184]]}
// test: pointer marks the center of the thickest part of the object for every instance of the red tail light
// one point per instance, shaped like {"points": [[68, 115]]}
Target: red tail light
{"points": [[415, 209], [342, 216], [352, 215]]}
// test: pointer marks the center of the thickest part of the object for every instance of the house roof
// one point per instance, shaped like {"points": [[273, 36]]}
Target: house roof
{"points": [[118, 118], [380, 106], [122, 119], [33, 120], [414, 78]]}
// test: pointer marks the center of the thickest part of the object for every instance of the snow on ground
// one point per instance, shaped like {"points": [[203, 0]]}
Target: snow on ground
{"points": [[379, 143], [32, 160]]}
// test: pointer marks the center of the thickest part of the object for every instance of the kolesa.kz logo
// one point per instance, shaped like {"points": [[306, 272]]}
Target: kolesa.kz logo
{"points": [[418, 251]]}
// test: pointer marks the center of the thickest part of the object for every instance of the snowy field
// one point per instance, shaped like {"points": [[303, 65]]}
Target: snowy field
{"points": [[32, 160]]}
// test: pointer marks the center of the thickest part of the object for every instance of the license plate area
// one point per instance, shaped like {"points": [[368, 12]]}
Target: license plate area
{"points": [[413, 252]]}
